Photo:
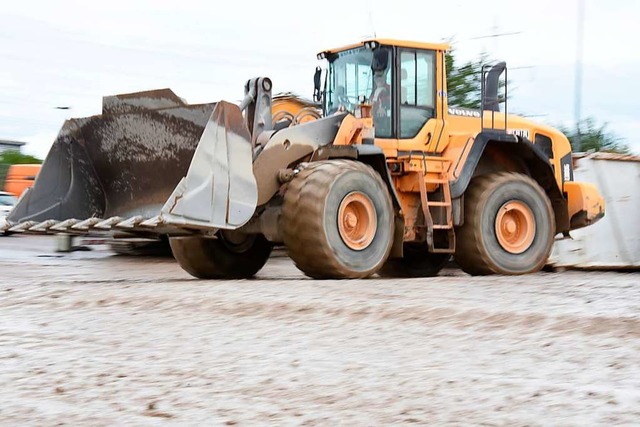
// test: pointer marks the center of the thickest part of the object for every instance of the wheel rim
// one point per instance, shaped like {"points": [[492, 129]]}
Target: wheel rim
{"points": [[357, 221], [515, 227]]}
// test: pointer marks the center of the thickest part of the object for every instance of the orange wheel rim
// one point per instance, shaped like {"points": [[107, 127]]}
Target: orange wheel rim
{"points": [[357, 221], [515, 227]]}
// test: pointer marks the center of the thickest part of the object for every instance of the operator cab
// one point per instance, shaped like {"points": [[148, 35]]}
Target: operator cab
{"points": [[399, 82]]}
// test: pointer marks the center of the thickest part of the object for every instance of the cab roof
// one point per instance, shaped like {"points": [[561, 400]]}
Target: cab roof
{"points": [[392, 42]]}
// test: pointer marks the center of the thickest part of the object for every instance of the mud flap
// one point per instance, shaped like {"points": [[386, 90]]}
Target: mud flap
{"points": [[219, 191]]}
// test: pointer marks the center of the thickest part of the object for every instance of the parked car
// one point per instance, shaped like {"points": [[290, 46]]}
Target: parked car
{"points": [[7, 202]]}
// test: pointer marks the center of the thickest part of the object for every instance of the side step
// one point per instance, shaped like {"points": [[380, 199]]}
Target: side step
{"points": [[440, 201]]}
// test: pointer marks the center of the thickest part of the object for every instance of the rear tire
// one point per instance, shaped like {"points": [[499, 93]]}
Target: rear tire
{"points": [[337, 220], [508, 228], [222, 258], [416, 261]]}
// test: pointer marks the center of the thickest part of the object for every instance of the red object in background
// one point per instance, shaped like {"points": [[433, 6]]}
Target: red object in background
{"points": [[20, 177]]}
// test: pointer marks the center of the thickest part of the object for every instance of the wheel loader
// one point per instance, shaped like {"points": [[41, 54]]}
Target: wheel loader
{"points": [[388, 179]]}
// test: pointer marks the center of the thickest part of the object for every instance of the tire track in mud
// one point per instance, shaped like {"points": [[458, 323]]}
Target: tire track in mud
{"points": [[459, 318]]}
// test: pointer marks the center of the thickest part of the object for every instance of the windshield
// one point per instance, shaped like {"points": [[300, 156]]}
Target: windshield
{"points": [[355, 73], [350, 76], [7, 200]]}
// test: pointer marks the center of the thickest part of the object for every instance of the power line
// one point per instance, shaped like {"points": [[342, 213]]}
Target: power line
{"points": [[488, 36]]}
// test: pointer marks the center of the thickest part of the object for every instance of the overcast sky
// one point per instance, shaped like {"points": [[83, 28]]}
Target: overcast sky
{"points": [[71, 53]]}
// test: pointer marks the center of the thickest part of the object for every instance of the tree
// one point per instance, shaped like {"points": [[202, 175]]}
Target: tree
{"points": [[464, 82], [12, 157], [463, 90], [595, 137]]}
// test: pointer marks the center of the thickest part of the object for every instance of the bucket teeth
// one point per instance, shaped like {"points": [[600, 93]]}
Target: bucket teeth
{"points": [[44, 226], [153, 222], [65, 225], [87, 224], [130, 223], [158, 224], [108, 223], [23, 226]]}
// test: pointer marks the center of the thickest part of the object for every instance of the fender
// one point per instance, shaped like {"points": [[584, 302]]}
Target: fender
{"points": [[371, 155], [459, 186], [534, 159]]}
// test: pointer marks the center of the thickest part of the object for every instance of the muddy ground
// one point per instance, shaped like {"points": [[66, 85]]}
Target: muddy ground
{"points": [[89, 338]]}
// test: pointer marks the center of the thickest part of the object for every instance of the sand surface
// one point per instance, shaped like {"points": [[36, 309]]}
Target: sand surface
{"points": [[93, 339]]}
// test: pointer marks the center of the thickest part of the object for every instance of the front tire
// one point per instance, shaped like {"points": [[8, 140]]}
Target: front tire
{"points": [[229, 256], [337, 220], [508, 228]]}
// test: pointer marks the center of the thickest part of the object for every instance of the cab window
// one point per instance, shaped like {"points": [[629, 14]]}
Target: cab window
{"points": [[417, 90], [544, 143], [362, 72]]}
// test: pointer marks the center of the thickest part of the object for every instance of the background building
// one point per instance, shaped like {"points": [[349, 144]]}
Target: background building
{"points": [[6, 145]]}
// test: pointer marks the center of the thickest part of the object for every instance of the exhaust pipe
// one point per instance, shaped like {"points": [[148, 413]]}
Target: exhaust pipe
{"points": [[490, 99]]}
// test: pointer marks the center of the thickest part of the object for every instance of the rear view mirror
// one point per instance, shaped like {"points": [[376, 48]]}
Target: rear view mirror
{"points": [[317, 94], [380, 59]]}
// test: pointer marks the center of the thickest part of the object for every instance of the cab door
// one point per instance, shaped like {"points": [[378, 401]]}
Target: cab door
{"points": [[416, 121]]}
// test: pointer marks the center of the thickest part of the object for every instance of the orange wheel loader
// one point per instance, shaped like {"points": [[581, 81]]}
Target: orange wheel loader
{"points": [[387, 179]]}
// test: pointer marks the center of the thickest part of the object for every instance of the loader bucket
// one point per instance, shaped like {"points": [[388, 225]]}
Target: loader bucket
{"points": [[123, 163], [219, 190]]}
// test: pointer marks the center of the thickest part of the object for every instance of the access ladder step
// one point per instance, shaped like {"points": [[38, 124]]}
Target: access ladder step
{"points": [[442, 250], [438, 203], [437, 180], [451, 240]]}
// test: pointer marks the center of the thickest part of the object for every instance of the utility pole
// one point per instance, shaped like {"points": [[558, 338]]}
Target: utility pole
{"points": [[578, 89]]}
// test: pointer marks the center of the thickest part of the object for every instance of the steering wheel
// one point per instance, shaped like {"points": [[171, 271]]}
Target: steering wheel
{"points": [[342, 99]]}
